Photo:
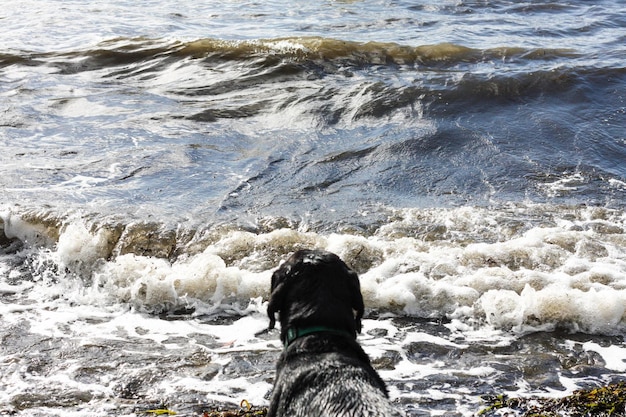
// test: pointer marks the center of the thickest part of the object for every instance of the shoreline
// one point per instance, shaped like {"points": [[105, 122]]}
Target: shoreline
{"points": [[606, 400]]}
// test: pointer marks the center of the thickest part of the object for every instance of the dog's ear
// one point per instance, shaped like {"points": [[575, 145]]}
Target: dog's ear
{"points": [[277, 293], [280, 283], [356, 298]]}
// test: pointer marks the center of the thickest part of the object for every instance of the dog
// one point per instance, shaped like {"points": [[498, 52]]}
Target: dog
{"points": [[322, 371]]}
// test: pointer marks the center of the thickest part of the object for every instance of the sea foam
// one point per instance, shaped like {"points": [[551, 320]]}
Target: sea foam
{"points": [[474, 266]]}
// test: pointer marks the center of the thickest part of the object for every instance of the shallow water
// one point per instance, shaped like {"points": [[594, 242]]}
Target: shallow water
{"points": [[461, 303], [160, 159]]}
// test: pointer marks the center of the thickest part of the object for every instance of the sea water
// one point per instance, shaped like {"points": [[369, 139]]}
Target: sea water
{"points": [[160, 159]]}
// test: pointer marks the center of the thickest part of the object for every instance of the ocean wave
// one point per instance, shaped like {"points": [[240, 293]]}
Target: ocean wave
{"points": [[326, 81], [516, 268], [361, 53], [124, 51]]}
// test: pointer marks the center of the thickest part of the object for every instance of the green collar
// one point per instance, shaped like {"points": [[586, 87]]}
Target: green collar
{"points": [[293, 332]]}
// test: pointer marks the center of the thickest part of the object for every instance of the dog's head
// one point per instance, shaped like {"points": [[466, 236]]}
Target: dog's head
{"points": [[315, 288]]}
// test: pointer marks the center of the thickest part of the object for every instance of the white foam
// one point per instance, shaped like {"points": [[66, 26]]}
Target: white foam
{"points": [[614, 356], [569, 274], [615, 183], [152, 282], [414, 337], [78, 244], [28, 232], [13, 289], [568, 183], [80, 181]]}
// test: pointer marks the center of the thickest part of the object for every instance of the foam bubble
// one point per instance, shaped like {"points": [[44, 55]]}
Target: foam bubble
{"points": [[159, 284], [77, 244]]}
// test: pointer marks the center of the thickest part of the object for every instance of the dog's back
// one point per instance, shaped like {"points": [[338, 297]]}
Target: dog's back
{"points": [[323, 371]]}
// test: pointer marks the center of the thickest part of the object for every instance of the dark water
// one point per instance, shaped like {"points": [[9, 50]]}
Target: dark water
{"points": [[453, 104], [159, 159]]}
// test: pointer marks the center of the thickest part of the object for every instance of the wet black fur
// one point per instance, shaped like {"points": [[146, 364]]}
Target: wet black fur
{"points": [[326, 373]]}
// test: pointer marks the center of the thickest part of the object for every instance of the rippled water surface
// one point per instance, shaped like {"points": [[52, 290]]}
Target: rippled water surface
{"points": [[160, 159]]}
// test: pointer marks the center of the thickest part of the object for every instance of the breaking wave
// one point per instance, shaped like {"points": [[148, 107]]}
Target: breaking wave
{"points": [[124, 51], [518, 268]]}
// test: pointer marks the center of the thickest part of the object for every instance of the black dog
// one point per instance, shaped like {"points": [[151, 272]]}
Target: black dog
{"points": [[323, 371]]}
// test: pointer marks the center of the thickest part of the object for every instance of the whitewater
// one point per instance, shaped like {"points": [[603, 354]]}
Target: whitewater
{"points": [[161, 159]]}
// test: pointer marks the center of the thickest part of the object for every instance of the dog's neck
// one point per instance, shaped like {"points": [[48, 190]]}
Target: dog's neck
{"points": [[294, 333]]}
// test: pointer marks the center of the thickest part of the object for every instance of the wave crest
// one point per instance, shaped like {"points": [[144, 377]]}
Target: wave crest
{"points": [[482, 267], [124, 51]]}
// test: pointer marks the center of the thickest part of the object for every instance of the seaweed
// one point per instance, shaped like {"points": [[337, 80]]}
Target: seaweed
{"points": [[254, 412], [245, 410], [603, 401]]}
